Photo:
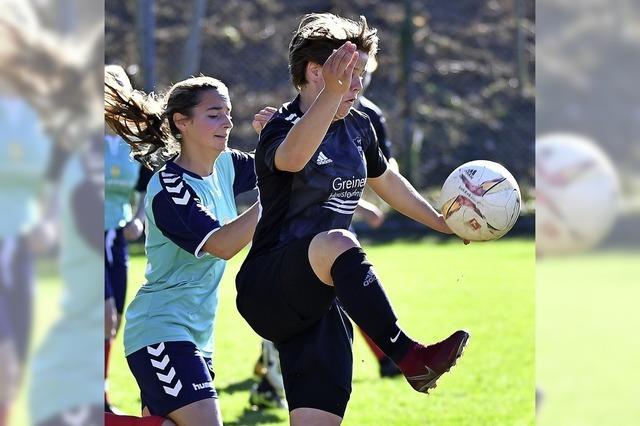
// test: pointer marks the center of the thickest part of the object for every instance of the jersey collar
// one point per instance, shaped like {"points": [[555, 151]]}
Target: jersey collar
{"points": [[294, 106], [173, 167]]}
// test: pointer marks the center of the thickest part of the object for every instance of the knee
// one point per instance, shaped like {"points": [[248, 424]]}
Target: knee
{"points": [[325, 249], [335, 242]]}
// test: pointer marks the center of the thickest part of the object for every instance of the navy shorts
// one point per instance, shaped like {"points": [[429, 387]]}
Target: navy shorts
{"points": [[283, 300], [16, 293], [116, 261], [171, 375]]}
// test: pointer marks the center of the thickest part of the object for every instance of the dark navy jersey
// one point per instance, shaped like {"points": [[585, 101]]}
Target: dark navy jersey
{"points": [[325, 193], [377, 119], [144, 176]]}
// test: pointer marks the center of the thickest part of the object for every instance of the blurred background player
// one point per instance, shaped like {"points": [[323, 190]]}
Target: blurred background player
{"points": [[369, 211], [66, 368], [25, 231], [122, 175]]}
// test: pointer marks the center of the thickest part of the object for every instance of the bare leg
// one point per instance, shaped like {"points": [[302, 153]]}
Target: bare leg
{"points": [[205, 412], [313, 417]]}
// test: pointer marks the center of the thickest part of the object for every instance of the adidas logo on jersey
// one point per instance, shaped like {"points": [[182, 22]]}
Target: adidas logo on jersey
{"points": [[371, 277], [323, 159]]}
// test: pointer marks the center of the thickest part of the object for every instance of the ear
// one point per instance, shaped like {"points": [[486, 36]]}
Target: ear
{"points": [[314, 72], [181, 121]]}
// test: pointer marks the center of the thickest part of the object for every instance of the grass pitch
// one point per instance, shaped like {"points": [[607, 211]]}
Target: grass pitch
{"points": [[435, 288], [588, 350]]}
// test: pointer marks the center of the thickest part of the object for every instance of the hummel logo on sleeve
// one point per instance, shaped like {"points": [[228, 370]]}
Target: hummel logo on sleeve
{"points": [[173, 184], [175, 190], [181, 200], [169, 178], [323, 159]]}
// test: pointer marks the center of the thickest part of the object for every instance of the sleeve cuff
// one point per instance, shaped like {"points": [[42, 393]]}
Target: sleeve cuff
{"points": [[198, 254]]}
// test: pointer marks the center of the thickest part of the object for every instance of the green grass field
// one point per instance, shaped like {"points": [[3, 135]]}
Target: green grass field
{"points": [[45, 311], [587, 346], [435, 288]]}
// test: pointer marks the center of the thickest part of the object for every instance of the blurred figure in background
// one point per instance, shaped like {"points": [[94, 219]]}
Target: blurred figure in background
{"points": [[123, 175], [25, 151], [53, 74], [369, 211]]}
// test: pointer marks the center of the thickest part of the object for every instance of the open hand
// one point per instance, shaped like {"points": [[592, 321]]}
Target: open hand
{"points": [[444, 228], [338, 69], [262, 118]]}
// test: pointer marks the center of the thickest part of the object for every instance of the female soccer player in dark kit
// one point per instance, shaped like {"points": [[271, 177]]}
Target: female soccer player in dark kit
{"points": [[305, 270]]}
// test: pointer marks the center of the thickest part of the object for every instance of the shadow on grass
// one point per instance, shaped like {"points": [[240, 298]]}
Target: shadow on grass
{"points": [[241, 386], [251, 417]]}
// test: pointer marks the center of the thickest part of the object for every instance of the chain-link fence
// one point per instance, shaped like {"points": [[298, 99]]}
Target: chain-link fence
{"points": [[454, 78]]}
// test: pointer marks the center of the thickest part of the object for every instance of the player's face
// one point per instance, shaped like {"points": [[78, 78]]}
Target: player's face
{"points": [[210, 122], [356, 86]]}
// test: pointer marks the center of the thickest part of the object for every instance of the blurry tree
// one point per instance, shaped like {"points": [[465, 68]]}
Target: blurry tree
{"points": [[193, 46], [146, 39], [449, 74]]}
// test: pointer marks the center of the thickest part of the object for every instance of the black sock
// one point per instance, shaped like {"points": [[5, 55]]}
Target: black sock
{"points": [[364, 299]]}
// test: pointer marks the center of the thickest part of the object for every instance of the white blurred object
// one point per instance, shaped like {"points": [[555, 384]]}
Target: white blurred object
{"points": [[271, 359], [577, 194], [480, 200]]}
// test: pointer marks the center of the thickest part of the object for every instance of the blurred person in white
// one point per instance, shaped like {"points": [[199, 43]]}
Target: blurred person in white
{"points": [[125, 179], [53, 74]]}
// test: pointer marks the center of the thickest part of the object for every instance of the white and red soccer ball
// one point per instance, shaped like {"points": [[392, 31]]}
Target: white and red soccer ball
{"points": [[577, 194], [480, 201]]}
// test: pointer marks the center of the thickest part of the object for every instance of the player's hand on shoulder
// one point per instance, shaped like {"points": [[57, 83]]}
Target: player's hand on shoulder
{"points": [[261, 118], [338, 69]]}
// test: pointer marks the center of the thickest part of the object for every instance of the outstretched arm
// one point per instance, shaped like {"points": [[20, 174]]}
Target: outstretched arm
{"points": [[396, 191]]}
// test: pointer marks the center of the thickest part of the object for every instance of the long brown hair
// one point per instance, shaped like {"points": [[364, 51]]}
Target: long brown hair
{"points": [[145, 121]]}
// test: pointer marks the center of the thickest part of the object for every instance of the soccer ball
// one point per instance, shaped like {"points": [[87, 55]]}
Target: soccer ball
{"points": [[480, 201], [577, 194]]}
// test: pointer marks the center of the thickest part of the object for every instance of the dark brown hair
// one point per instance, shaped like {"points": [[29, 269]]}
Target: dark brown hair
{"points": [[145, 121], [319, 34]]}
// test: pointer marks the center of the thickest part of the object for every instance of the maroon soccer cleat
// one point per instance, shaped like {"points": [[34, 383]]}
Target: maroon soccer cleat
{"points": [[424, 365]]}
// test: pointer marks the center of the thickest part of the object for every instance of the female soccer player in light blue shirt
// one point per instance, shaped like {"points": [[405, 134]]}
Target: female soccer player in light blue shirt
{"points": [[192, 229]]}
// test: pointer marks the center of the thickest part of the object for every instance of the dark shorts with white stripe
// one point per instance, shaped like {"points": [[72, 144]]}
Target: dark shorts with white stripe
{"points": [[116, 261], [283, 300], [171, 375]]}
